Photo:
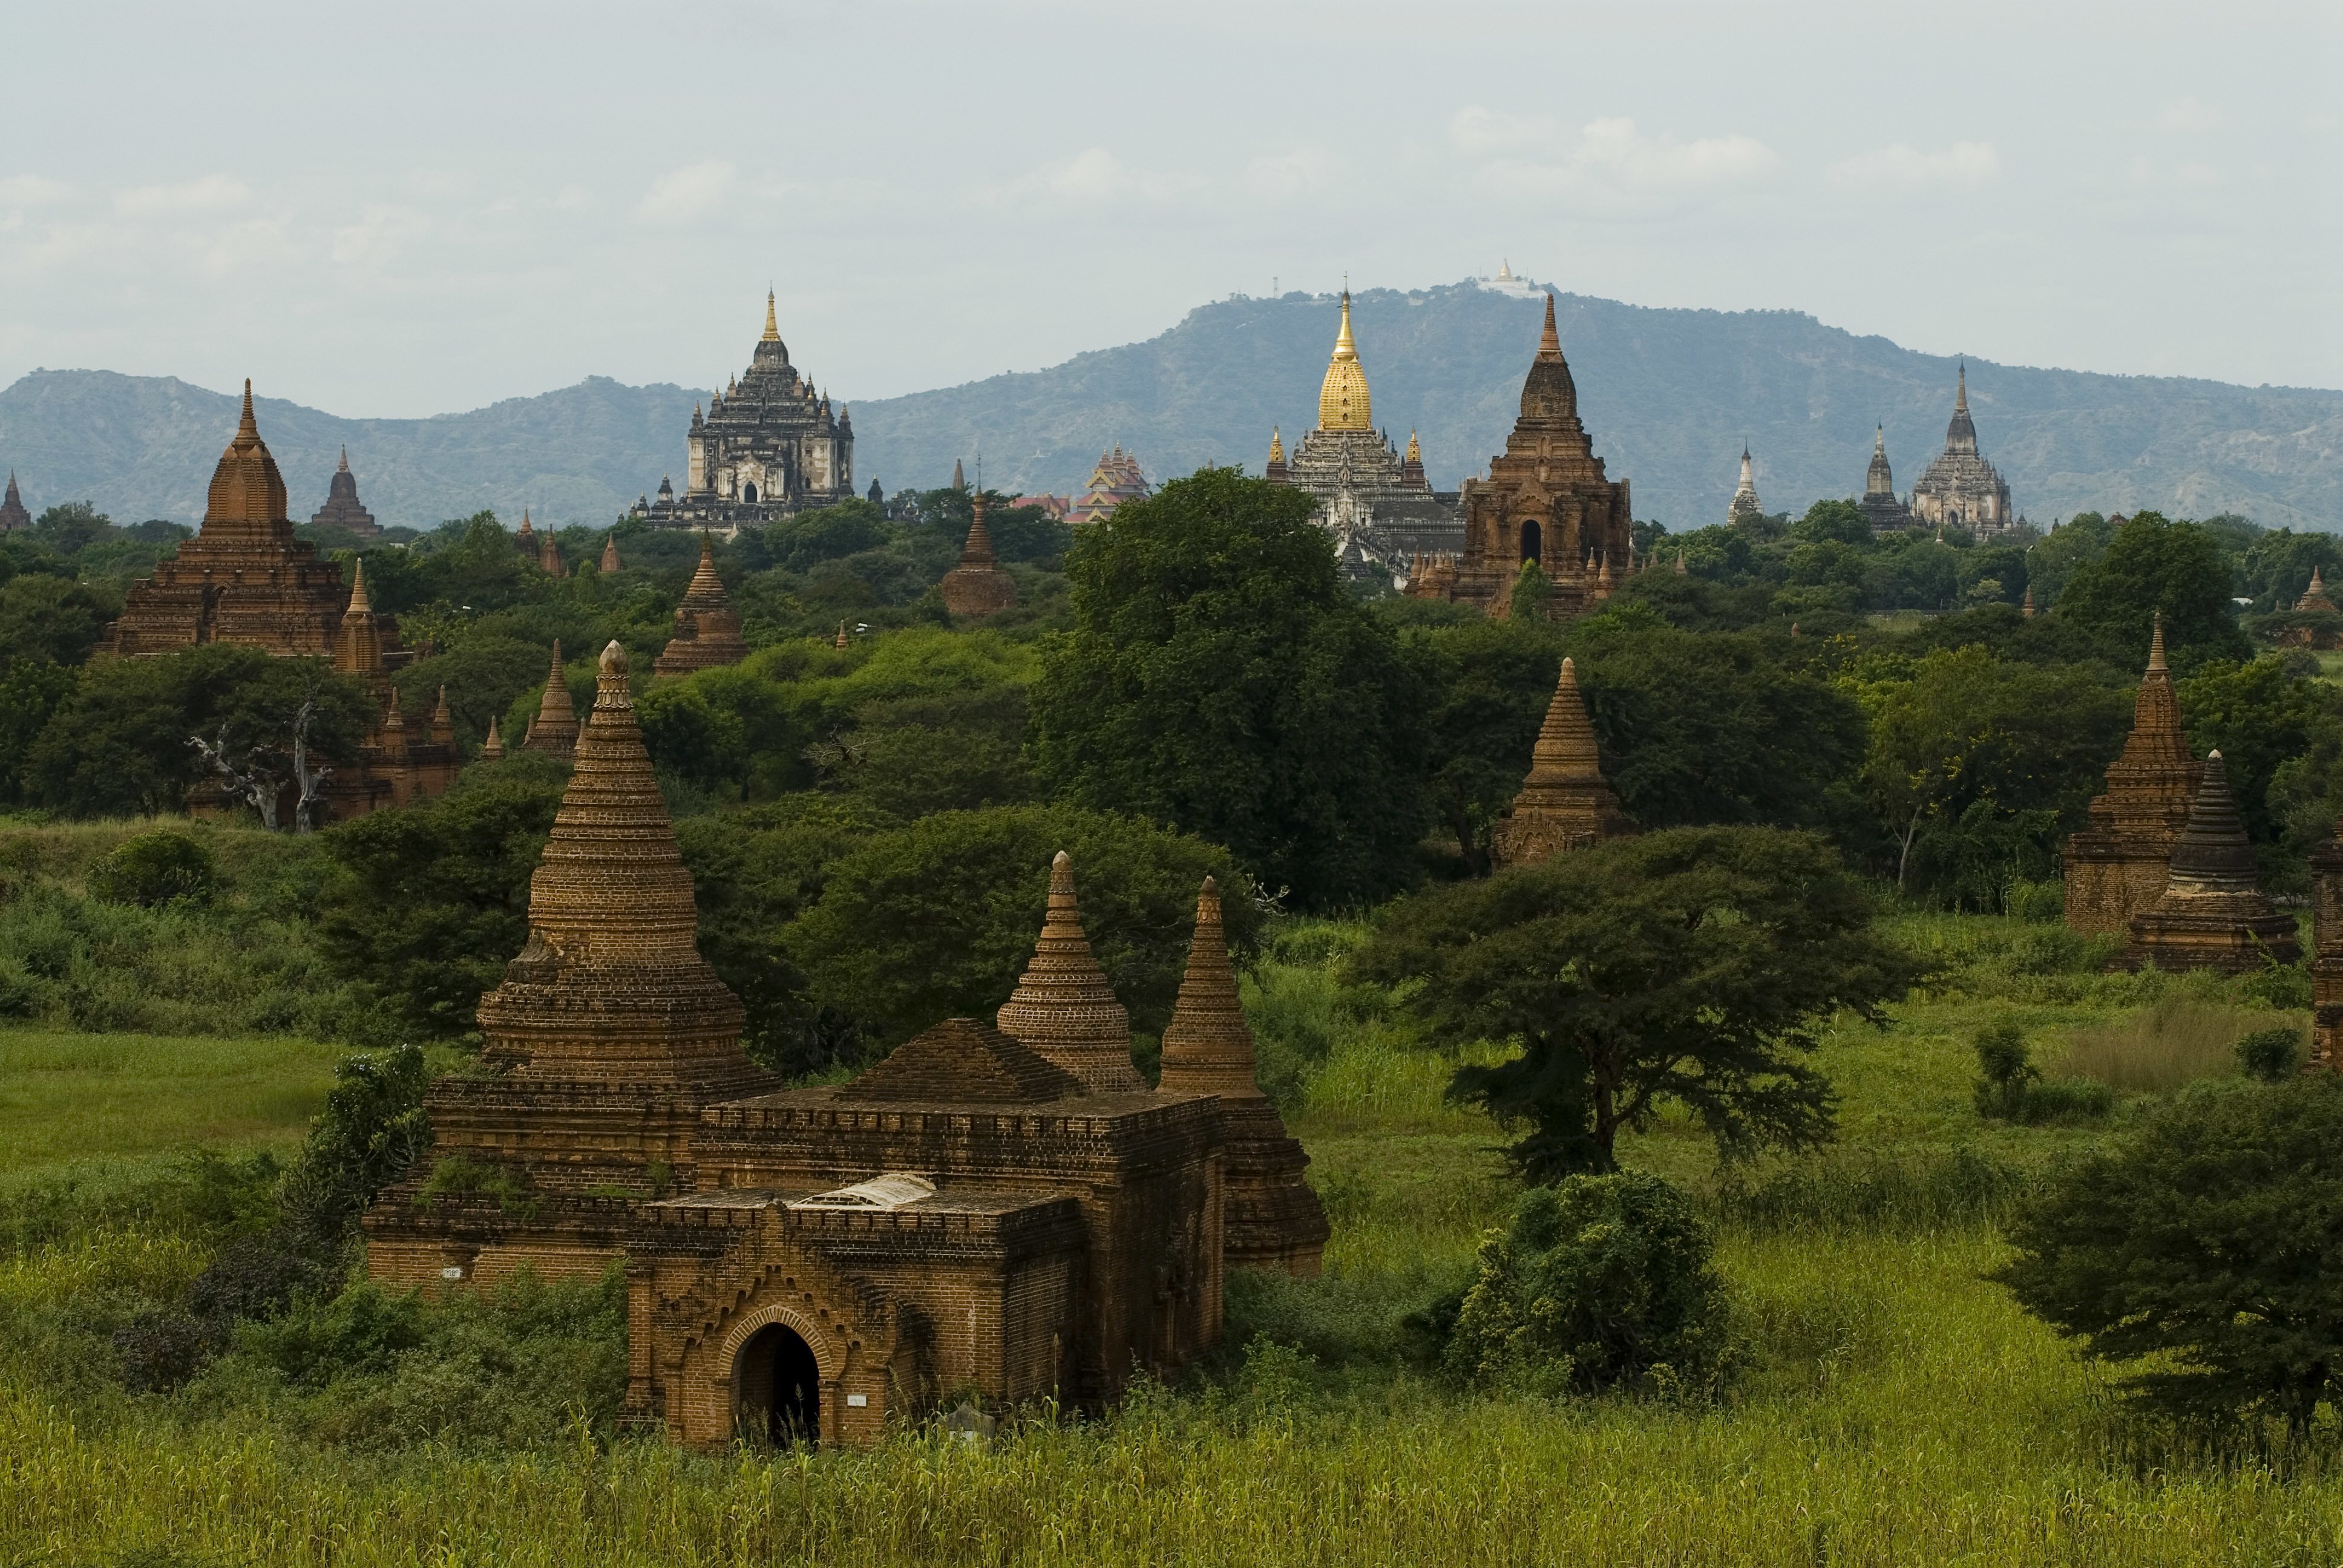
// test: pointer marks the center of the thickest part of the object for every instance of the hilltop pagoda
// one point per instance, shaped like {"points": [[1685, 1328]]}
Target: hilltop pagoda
{"points": [[2115, 867], [1564, 804], [707, 627], [978, 586], [2211, 913]]}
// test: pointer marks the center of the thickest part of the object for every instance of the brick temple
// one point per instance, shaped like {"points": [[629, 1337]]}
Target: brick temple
{"points": [[1546, 499], [707, 627], [978, 586], [1565, 803], [2115, 867], [999, 1207], [343, 509], [2211, 913]]}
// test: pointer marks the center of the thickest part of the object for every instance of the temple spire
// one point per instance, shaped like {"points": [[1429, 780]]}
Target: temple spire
{"points": [[2155, 645], [1550, 341], [1961, 396], [554, 729], [772, 326], [247, 427], [1063, 1009], [344, 466]]}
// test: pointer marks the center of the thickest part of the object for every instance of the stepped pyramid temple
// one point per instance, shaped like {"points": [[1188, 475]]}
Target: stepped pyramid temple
{"points": [[767, 448], [554, 730], [1744, 507], [2115, 867], [1960, 489], [1115, 480], [973, 1214], [1379, 507], [707, 627], [1546, 499], [1887, 514], [12, 515], [244, 579], [978, 586], [2211, 914], [1564, 804], [342, 509]]}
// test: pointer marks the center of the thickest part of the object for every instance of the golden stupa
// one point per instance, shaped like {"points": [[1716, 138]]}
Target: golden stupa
{"points": [[1342, 401]]}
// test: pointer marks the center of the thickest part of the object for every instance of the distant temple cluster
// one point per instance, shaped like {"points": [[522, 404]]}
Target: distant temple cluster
{"points": [[1003, 1209], [767, 448], [1115, 479]]}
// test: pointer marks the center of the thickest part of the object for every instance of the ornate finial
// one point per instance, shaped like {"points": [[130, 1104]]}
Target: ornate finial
{"points": [[1345, 345], [1414, 448], [344, 466], [1276, 445], [773, 327], [1961, 397], [2155, 644], [1550, 341]]}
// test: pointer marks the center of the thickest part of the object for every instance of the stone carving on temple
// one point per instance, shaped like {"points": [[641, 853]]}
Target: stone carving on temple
{"points": [[707, 627], [978, 586], [1271, 1217], [342, 508], [554, 730], [1546, 499], [2211, 913], [2116, 866], [1565, 803]]}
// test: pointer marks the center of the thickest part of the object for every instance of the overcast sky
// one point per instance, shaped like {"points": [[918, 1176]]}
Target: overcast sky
{"points": [[406, 209]]}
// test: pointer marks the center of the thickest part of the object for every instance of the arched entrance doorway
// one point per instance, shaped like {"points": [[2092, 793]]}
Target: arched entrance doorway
{"points": [[776, 1389], [1533, 541], [748, 492]]}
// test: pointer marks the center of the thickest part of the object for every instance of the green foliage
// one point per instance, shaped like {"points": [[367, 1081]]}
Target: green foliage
{"points": [[1490, 682], [31, 692], [2271, 1055], [434, 900], [2275, 569], [2258, 716], [52, 618], [2202, 1252], [2153, 565], [459, 1175], [1599, 1282], [937, 919], [1532, 592], [2012, 1088], [1692, 968], [484, 676], [156, 868], [1219, 678], [372, 1128], [1841, 522]]}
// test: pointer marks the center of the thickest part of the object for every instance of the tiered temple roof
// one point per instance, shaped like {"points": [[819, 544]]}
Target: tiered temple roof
{"points": [[1884, 509], [2211, 913], [554, 729], [1063, 1007], [2314, 597], [1115, 479], [342, 508], [978, 586], [1271, 1217], [707, 627], [2116, 866], [1564, 804], [1960, 489]]}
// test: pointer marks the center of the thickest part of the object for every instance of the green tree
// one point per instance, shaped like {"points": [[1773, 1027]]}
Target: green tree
{"points": [[1842, 522], [484, 676], [2258, 717], [1695, 968], [1489, 683], [1531, 594], [432, 900], [31, 692], [2207, 1242], [2274, 570], [1218, 678], [937, 919], [53, 618], [2071, 547], [2153, 565]]}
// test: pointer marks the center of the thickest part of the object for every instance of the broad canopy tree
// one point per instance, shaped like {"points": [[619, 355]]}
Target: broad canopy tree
{"points": [[1695, 967]]}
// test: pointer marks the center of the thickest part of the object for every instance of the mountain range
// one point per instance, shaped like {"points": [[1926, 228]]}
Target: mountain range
{"points": [[1669, 396]]}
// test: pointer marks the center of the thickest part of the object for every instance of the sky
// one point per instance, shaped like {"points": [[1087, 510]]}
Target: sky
{"points": [[403, 210]]}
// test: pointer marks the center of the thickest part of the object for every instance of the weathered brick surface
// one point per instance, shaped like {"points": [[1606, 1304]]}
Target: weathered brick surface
{"points": [[2115, 868]]}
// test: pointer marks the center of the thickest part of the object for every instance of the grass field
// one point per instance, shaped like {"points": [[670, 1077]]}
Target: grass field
{"points": [[1894, 1407]]}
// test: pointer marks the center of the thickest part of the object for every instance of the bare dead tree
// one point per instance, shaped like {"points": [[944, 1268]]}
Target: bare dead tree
{"points": [[312, 781], [259, 787]]}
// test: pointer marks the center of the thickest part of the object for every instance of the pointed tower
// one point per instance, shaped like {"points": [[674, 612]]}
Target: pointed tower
{"points": [[1270, 1217], [554, 729], [1884, 509], [1063, 1009], [2211, 913], [1410, 467], [1343, 402], [12, 515], [1746, 508], [2027, 608], [2116, 866], [707, 627], [960, 479], [841, 635], [2314, 597], [1275, 470], [527, 538], [1681, 570], [342, 508], [493, 748], [978, 586], [610, 554], [442, 722], [358, 645], [549, 554], [1564, 804]]}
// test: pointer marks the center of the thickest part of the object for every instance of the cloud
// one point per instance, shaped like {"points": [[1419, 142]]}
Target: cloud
{"points": [[1607, 163], [1905, 168], [1478, 131], [32, 190], [687, 192], [1288, 173], [2187, 115], [211, 194], [380, 232], [1093, 178]]}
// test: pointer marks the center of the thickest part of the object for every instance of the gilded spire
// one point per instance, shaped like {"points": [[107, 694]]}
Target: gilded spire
{"points": [[1063, 1009], [1276, 445], [772, 326], [1414, 448], [1343, 403]]}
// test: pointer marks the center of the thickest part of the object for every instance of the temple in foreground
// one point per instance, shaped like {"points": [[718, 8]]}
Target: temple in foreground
{"points": [[999, 1208], [1565, 803], [2211, 913], [707, 627], [2116, 866]]}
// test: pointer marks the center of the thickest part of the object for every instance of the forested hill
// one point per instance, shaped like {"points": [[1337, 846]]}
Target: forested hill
{"points": [[1669, 396]]}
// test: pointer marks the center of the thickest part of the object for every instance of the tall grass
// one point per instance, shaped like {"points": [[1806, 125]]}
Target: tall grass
{"points": [[2181, 1036]]}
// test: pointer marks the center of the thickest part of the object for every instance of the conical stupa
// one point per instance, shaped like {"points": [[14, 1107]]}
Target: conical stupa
{"points": [[1270, 1217], [2211, 914], [2116, 866], [610, 554], [1063, 1009], [707, 627], [1564, 804], [555, 728], [978, 586], [493, 748], [357, 645]]}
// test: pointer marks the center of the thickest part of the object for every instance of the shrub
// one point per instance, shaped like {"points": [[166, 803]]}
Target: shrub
{"points": [[1601, 1282], [2272, 1055], [156, 868], [2013, 1089], [2207, 1243]]}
